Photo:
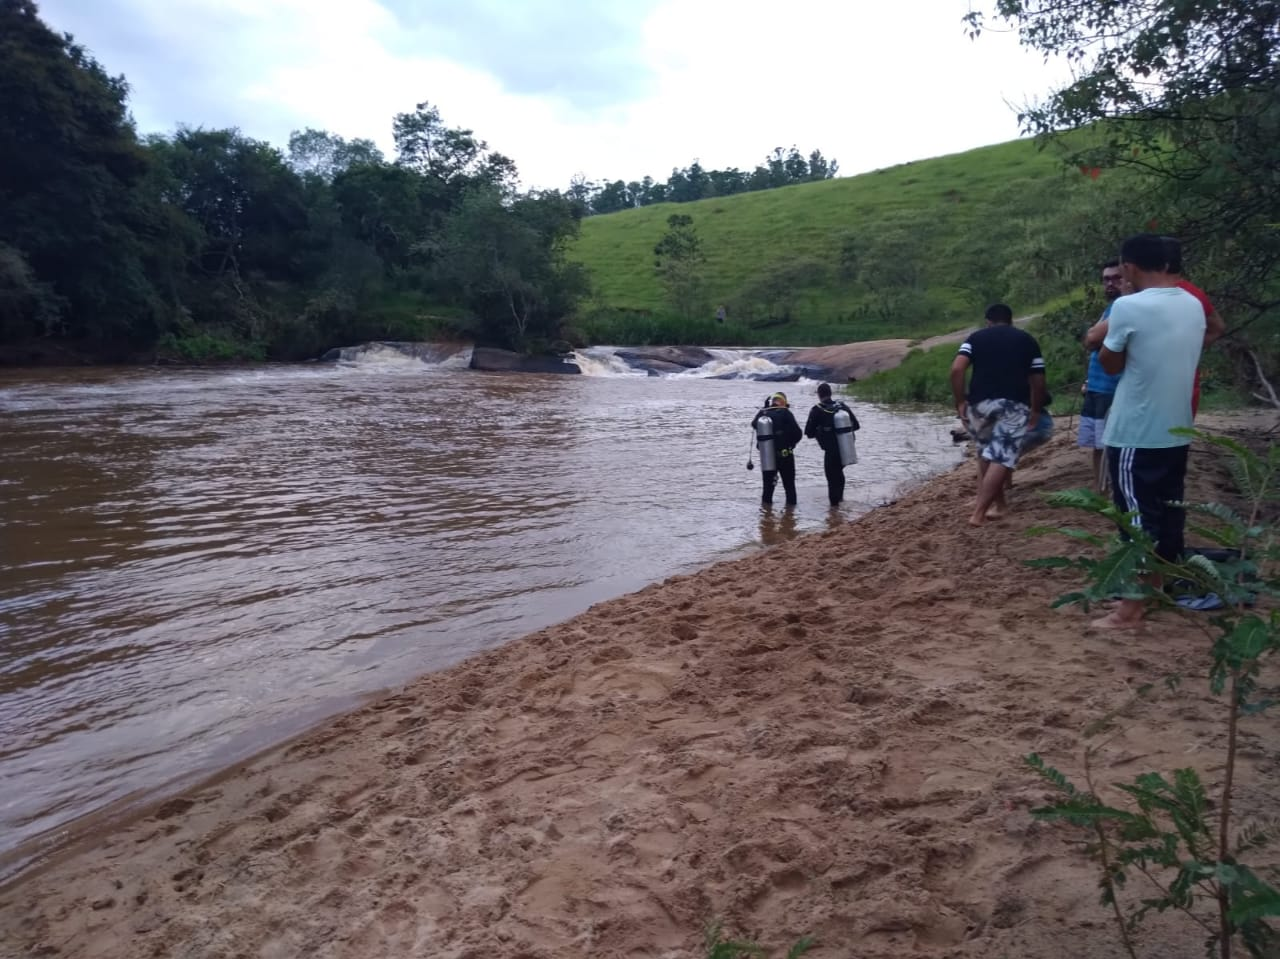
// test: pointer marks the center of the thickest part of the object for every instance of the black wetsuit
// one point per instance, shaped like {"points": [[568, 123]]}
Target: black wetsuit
{"points": [[786, 434], [821, 427]]}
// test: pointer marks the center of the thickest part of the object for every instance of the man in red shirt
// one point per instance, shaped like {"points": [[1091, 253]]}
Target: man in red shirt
{"points": [[1214, 326]]}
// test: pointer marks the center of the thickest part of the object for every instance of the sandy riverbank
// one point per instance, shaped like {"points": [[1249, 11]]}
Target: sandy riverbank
{"points": [[823, 738]]}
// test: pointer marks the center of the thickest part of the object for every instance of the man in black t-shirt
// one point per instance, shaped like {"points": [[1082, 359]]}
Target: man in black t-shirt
{"points": [[1006, 393]]}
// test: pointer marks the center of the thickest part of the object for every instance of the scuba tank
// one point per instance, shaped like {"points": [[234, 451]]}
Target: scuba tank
{"points": [[765, 443], [843, 423]]}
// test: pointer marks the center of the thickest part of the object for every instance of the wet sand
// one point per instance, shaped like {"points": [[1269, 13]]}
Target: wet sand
{"points": [[824, 738]]}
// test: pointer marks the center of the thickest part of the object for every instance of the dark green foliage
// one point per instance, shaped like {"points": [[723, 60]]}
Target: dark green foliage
{"points": [[719, 947], [678, 263], [687, 184], [210, 246], [1170, 832], [505, 263], [1184, 94], [82, 228]]}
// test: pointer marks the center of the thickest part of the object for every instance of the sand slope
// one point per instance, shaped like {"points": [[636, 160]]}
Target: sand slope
{"points": [[823, 738]]}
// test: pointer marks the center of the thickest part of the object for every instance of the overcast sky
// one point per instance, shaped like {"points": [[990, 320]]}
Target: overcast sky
{"points": [[613, 89]]}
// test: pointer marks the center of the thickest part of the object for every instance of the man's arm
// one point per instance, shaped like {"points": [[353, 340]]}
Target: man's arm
{"points": [[1113, 363], [1112, 355], [1036, 379], [811, 424], [958, 368], [1214, 326], [1095, 335]]}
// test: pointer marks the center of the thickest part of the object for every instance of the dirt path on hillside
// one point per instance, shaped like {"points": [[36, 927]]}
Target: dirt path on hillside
{"points": [[856, 361], [823, 738]]}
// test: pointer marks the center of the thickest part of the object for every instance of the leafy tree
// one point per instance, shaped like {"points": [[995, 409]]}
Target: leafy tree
{"points": [[506, 263], [26, 304], [651, 192], [727, 182], [580, 193], [1183, 93], [679, 263], [613, 197], [680, 189], [425, 144], [244, 196], [695, 182], [820, 168], [323, 154], [382, 206], [76, 218], [797, 168]]}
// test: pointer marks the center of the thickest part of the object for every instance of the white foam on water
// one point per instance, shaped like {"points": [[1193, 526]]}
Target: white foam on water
{"points": [[603, 361], [738, 364], [725, 363], [405, 357]]}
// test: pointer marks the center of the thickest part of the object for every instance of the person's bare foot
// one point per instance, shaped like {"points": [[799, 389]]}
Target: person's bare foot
{"points": [[977, 521], [997, 510]]}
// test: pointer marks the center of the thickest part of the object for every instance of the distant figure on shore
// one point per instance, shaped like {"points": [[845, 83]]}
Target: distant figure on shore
{"points": [[821, 426], [1099, 387], [1005, 396], [786, 434], [1155, 337], [720, 314]]}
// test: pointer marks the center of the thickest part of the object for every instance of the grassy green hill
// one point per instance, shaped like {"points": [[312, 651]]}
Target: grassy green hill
{"points": [[908, 251]]}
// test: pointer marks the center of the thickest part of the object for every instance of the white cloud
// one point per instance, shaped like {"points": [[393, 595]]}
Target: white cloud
{"points": [[871, 85]]}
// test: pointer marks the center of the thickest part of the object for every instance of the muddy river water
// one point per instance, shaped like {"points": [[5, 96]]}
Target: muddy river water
{"points": [[196, 564]]}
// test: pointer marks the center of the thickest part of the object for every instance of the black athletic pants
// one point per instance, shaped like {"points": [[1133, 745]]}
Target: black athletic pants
{"points": [[787, 470], [1148, 480], [832, 466]]}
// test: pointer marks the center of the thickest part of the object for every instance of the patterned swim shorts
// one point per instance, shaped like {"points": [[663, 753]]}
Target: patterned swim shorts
{"points": [[999, 427]]}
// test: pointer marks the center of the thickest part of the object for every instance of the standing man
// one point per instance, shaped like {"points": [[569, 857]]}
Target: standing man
{"points": [[786, 434], [1214, 325], [1006, 393], [821, 426], [1100, 386], [1154, 336]]}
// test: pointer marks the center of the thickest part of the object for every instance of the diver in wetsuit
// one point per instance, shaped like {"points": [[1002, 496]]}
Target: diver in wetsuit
{"points": [[786, 434]]}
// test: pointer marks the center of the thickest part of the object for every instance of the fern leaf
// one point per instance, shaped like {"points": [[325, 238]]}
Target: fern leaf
{"points": [[800, 948]]}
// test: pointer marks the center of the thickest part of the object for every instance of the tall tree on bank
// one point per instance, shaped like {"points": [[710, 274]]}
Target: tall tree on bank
{"points": [[323, 154], [679, 262], [1188, 93], [506, 262], [80, 239]]}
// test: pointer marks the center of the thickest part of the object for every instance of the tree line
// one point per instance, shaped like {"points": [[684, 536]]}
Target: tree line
{"points": [[209, 244], [686, 184], [1173, 110]]}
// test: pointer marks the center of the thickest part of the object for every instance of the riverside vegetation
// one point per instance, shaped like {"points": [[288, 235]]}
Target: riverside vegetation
{"points": [[1189, 851], [209, 245]]}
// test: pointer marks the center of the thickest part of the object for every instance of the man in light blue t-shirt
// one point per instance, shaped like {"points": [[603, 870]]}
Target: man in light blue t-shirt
{"points": [[1154, 336]]}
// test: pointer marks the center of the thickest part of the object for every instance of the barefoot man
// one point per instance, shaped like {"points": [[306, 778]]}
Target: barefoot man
{"points": [[1006, 393], [1154, 336]]}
